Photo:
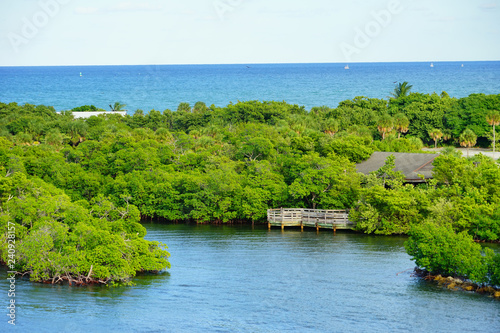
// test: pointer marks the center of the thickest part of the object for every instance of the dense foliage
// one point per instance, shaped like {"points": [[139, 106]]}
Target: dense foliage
{"points": [[81, 242], [224, 164], [87, 108], [439, 249], [52, 238]]}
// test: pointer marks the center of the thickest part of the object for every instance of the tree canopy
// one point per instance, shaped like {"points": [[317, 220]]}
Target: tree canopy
{"points": [[228, 164]]}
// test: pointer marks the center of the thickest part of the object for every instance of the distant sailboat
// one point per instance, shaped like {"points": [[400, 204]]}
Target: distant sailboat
{"points": [[462, 65], [80, 74], [346, 67], [432, 64]]}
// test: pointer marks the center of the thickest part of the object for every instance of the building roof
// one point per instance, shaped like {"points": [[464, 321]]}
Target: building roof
{"points": [[411, 164]]}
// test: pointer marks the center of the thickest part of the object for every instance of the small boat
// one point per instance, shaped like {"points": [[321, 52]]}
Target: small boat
{"points": [[346, 67], [432, 64], [462, 65], [80, 73]]}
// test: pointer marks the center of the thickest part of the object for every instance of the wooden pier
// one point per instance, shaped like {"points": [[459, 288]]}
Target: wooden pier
{"points": [[315, 218]]}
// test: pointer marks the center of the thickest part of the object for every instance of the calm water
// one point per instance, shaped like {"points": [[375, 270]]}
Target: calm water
{"points": [[162, 87], [235, 279]]}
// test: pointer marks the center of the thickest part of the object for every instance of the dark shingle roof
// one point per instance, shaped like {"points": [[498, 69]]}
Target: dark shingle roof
{"points": [[411, 164]]}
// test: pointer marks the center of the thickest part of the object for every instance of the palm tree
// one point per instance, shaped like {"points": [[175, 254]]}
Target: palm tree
{"points": [[385, 125], [401, 123], [447, 135], [54, 137], [468, 139], [435, 134], [298, 127], [493, 118], [401, 90], [184, 107], [117, 106], [77, 131], [331, 127], [200, 107]]}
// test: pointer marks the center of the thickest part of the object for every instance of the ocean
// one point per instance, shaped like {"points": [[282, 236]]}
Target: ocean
{"points": [[161, 87]]}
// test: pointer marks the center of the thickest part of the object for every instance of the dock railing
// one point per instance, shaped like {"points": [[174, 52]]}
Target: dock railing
{"points": [[303, 217]]}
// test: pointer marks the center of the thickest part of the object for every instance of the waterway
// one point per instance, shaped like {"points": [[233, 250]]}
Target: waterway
{"points": [[244, 279]]}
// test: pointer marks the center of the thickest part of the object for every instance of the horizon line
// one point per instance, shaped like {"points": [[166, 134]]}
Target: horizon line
{"points": [[256, 63]]}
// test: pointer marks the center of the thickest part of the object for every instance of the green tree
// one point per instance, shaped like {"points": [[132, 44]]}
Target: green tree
{"points": [[401, 123], [385, 205], [401, 90], [493, 118], [470, 112], [325, 182], [447, 135], [385, 125], [255, 148], [60, 240], [86, 108], [424, 112], [440, 250], [200, 107], [184, 107], [54, 137], [117, 106], [77, 130], [355, 148], [331, 126], [468, 139], [435, 134]]}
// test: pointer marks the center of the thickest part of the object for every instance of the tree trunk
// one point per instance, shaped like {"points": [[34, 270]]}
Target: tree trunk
{"points": [[494, 140]]}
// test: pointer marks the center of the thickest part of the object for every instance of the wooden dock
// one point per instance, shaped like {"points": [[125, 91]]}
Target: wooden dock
{"points": [[315, 218]]}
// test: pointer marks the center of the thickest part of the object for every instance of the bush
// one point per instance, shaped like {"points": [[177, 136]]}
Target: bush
{"points": [[86, 108], [440, 250]]}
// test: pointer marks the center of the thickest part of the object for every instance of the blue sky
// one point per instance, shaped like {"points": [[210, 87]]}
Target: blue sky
{"points": [[117, 32]]}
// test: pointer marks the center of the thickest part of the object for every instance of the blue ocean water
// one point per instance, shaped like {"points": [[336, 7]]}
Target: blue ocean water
{"points": [[163, 87]]}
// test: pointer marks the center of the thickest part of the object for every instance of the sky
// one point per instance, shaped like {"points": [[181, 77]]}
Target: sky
{"points": [[118, 32]]}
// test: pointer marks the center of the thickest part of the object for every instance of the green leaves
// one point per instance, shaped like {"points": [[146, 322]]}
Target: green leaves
{"points": [[435, 134], [440, 250], [117, 106], [355, 148], [56, 238], [401, 90], [401, 123], [387, 211], [385, 125], [471, 112], [324, 182], [468, 138]]}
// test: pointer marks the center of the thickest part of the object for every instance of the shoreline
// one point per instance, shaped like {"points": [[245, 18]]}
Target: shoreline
{"points": [[457, 284]]}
